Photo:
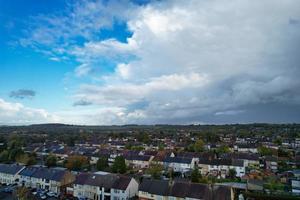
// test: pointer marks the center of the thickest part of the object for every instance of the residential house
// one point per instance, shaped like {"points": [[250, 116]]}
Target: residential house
{"points": [[246, 147], [102, 185], [154, 190], [138, 161], [164, 190], [52, 179], [189, 191], [296, 186], [180, 164], [220, 167], [271, 163], [124, 188], [9, 172]]}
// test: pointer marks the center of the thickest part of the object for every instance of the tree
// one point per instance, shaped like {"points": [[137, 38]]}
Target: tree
{"points": [[232, 173], [77, 163], [119, 165], [23, 193], [102, 163], [199, 146], [195, 176], [4, 156], [223, 149], [51, 160], [26, 159], [264, 151], [14, 153], [155, 170]]}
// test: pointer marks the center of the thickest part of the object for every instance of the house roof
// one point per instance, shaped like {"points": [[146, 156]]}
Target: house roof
{"points": [[221, 193], [191, 190], [178, 160], [138, 157], [10, 168], [45, 173], [103, 180], [121, 183], [158, 187]]}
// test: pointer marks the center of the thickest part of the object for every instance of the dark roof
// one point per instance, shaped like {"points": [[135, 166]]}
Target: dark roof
{"points": [[103, 180], [271, 158], [45, 173], [227, 162], [243, 156], [158, 187], [221, 193], [137, 157], [121, 183], [10, 168], [191, 190], [180, 189], [178, 160], [198, 191], [238, 163]]}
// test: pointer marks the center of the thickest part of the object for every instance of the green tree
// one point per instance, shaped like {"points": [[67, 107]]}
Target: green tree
{"points": [[155, 170], [102, 163], [14, 153], [51, 160], [23, 193], [223, 149], [195, 176], [26, 159], [119, 165], [199, 146], [264, 151], [77, 163], [4, 156], [232, 173]]}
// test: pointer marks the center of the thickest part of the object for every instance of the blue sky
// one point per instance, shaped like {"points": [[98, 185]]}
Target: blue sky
{"points": [[147, 62]]}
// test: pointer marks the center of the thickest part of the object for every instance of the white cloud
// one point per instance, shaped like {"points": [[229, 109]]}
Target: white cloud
{"points": [[16, 113], [192, 59], [83, 70], [244, 53]]}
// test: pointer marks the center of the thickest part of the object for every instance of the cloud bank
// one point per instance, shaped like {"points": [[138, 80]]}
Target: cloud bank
{"points": [[185, 61], [22, 94]]}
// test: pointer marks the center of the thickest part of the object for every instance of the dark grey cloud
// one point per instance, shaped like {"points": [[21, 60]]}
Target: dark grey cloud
{"points": [[22, 94], [82, 103]]}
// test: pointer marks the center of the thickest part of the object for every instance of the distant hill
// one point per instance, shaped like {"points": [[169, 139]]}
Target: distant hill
{"points": [[67, 128]]}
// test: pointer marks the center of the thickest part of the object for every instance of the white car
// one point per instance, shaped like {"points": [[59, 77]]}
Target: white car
{"points": [[51, 194], [43, 197]]}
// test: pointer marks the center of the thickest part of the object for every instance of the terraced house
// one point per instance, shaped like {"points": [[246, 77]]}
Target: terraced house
{"points": [[54, 179], [165, 190], [102, 185], [9, 173]]}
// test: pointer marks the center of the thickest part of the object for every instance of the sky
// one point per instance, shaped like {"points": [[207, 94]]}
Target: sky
{"points": [[111, 62]]}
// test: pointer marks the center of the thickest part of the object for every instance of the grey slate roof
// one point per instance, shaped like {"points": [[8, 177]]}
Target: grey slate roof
{"points": [[45, 173], [10, 168], [107, 181], [157, 187], [183, 160]]}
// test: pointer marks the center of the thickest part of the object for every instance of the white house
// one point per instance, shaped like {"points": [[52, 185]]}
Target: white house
{"points": [[52, 179], [180, 164], [9, 172], [138, 161], [100, 186], [221, 167]]}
